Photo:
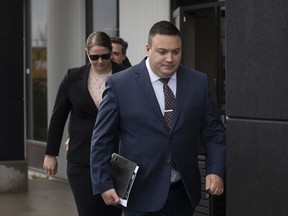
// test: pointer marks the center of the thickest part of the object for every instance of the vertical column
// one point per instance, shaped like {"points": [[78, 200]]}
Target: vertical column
{"points": [[65, 49], [13, 166]]}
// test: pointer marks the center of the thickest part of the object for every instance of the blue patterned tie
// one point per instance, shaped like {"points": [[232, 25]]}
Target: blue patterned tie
{"points": [[169, 102]]}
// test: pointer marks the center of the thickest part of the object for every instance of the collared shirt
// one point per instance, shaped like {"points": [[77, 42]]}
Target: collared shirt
{"points": [[158, 86], [158, 89]]}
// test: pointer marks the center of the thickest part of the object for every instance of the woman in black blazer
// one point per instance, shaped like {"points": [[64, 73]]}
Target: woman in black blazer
{"points": [[79, 95]]}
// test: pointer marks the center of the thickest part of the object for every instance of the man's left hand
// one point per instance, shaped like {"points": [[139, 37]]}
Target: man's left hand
{"points": [[214, 184]]}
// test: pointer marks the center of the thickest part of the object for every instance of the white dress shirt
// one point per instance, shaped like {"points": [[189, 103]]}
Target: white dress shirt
{"points": [[158, 89], [158, 86]]}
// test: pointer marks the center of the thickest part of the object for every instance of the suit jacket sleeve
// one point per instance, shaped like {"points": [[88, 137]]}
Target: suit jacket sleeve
{"points": [[214, 137], [104, 139], [58, 119]]}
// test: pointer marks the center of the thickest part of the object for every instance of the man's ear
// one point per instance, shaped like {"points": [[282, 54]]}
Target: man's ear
{"points": [[147, 50]]}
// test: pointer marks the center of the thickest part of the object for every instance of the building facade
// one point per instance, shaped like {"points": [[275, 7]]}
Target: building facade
{"points": [[240, 45]]}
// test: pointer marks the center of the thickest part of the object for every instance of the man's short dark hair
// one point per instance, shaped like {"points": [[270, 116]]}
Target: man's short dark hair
{"points": [[120, 41], [163, 28]]}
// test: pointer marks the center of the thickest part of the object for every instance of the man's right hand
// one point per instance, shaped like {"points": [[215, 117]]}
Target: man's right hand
{"points": [[110, 197]]}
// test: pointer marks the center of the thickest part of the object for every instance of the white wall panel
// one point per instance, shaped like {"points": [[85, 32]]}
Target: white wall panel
{"points": [[135, 20], [65, 49]]}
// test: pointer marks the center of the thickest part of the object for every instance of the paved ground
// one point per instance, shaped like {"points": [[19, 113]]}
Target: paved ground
{"points": [[45, 198]]}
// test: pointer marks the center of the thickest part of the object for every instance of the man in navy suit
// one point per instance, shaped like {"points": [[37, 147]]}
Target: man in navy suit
{"points": [[132, 111]]}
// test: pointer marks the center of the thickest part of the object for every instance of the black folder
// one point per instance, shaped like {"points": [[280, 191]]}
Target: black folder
{"points": [[123, 173]]}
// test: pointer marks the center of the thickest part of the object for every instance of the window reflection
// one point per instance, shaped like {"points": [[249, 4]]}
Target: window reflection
{"points": [[39, 69], [105, 16]]}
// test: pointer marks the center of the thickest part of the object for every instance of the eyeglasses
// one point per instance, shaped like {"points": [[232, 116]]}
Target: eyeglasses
{"points": [[103, 57]]}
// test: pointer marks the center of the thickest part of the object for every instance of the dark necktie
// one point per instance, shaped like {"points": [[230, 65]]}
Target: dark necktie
{"points": [[169, 107], [169, 102]]}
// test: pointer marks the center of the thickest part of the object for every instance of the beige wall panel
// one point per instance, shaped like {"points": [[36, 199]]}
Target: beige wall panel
{"points": [[135, 20]]}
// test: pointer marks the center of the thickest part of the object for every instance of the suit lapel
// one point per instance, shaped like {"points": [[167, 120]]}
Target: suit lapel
{"points": [[84, 86], [143, 80], [182, 85]]}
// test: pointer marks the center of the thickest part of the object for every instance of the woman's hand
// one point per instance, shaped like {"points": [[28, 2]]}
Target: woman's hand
{"points": [[50, 165]]}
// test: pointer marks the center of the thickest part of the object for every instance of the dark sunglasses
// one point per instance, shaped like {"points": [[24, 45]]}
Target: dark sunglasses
{"points": [[103, 57]]}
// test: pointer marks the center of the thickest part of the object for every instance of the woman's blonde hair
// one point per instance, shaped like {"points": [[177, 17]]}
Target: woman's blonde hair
{"points": [[100, 39]]}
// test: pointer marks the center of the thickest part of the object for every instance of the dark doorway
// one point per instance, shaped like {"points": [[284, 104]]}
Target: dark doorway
{"points": [[202, 27], [203, 33]]}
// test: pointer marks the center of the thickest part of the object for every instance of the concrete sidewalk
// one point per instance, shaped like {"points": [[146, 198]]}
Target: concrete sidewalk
{"points": [[46, 197]]}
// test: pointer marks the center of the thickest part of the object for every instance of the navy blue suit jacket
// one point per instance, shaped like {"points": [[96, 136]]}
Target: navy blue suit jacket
{"points": [[131, 111]]}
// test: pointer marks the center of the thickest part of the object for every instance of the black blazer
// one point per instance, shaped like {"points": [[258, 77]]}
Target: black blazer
{"points": [[73, 97]]}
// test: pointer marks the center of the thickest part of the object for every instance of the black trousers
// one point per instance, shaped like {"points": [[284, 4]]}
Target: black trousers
{"points": [[87, 205], [177, 204]]}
